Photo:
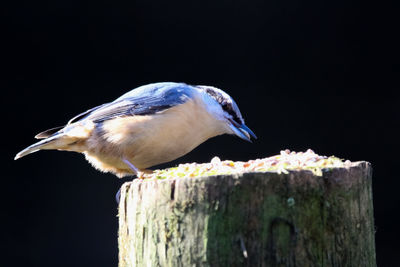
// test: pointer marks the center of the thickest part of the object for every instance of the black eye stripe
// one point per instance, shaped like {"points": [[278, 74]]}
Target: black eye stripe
{"points": [[225, 104], [217, 96], [228, 108]]}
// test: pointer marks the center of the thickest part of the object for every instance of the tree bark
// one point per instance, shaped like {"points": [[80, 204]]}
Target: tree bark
{"points": [[250, 219]]}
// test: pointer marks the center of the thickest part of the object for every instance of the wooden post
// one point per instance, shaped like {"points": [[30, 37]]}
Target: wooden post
{"points": [[250, 219]]}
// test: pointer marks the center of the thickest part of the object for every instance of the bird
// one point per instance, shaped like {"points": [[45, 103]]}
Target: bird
{"points": [[149, 125]]}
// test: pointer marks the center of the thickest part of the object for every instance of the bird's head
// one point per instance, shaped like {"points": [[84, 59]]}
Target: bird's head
{"points": [[226, 111]]}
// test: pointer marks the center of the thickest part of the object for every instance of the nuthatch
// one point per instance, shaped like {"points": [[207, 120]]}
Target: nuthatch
{"points": [[149, 125]]}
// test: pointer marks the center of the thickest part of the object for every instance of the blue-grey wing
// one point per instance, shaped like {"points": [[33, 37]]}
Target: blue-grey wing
{"points": [[145, 100]]}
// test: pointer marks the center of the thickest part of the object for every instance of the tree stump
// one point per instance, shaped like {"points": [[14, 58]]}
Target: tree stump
{"points": [[250, 219]]}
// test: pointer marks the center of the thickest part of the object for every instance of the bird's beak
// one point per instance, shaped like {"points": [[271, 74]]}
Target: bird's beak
{"points": [[242, 131]]}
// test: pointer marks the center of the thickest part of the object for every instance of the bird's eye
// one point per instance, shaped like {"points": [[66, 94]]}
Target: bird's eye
{"points": [[227, 107]]}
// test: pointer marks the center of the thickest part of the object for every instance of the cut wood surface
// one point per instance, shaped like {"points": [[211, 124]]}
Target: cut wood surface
{"points": [[250, 219]]}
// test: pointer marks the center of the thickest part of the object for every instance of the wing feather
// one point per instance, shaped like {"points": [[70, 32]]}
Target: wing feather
{"points": [[145, 100]]}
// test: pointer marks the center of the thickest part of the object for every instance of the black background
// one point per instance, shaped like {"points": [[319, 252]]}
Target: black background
{"points": [[306, 74]]}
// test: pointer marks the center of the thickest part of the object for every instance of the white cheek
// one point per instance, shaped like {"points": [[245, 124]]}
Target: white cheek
{"points": [[213, 107]]}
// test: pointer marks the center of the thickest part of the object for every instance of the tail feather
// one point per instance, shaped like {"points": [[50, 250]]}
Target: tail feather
{"points": [[49, 132], [54, 142]]}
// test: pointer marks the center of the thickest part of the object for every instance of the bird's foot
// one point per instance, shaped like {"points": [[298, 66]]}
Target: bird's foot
{"points": [[118, 196], [142, 174], [131, 166]]}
